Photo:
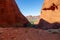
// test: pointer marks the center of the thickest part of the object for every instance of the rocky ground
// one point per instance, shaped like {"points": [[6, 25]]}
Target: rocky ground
{"points": [[27, 34]]}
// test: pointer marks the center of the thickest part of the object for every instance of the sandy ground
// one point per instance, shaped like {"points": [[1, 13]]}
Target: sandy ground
{"points": [[26, 34]]}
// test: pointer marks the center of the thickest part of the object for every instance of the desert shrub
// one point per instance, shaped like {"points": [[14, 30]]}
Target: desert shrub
{"points": [[32, 22], [54, 31], [31, 25]]}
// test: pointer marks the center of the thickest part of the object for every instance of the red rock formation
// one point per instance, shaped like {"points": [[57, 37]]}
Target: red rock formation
{"points": [[35, 19], [10, 14], [50, 14]]}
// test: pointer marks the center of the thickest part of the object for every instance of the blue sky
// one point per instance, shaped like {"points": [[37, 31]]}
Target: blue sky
{"points": [[30, 7]]}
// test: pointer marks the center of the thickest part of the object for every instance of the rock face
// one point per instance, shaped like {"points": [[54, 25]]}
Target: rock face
{"points": [[10, 14], [50, 14], [33, 19]]}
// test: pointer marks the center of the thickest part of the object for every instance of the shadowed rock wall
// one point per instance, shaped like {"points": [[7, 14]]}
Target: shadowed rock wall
{"points": [[10, 14]]}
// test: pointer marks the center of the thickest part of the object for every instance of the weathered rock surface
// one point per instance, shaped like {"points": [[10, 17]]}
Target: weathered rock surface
{"points": [[10, 14], [50, 13]]}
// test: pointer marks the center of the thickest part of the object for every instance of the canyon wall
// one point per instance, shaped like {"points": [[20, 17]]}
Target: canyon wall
{"points": [[10, 15], [50, 14]]}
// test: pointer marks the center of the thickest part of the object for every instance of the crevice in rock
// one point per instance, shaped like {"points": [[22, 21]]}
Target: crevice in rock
{"points": [[53, 7]]}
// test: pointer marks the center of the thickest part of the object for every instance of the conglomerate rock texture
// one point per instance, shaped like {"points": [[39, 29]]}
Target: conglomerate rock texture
{"points": [[10, 14], [50, 14]]}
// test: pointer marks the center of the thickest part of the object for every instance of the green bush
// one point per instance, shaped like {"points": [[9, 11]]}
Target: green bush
{"points": [[30, 25]]}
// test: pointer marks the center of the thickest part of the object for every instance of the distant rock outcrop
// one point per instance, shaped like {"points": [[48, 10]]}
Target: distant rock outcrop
{"points": [[50, 13], [34, 19], [10, 14]]}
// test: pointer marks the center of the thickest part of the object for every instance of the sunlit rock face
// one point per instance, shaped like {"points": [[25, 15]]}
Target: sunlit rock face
{"points": [[50, 13], [10, 14]]}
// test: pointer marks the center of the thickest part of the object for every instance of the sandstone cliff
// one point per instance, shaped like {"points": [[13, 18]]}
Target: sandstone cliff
{"points": [[10, 14], [50, 13]]}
